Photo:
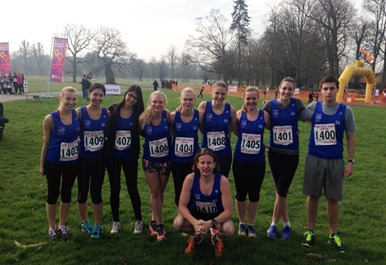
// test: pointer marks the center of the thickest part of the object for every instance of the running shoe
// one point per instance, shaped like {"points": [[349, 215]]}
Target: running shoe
{"points": [[153, 228], [138, 227], [251, 231], [52, 233], [161, 233], [287, 231], [272, 231], [86, 227], [193, 242], [97, 231], [218, 246], [308, 239], [63, 232], [242, 230], [116, 227], [336, 242]]}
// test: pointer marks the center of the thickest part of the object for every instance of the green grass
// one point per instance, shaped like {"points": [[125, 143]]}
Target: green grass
{"points": [[23, 216]]}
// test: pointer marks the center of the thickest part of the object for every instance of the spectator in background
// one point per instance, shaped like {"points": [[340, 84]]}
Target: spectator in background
{"points": [[155, 85], [20, 83], [14, 81]]}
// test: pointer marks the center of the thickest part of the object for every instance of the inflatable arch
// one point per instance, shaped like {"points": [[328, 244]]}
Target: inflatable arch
{"points": [[356, 70]]}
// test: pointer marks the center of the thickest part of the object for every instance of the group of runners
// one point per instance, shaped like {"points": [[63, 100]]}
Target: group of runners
{"points": [[110, 138]]}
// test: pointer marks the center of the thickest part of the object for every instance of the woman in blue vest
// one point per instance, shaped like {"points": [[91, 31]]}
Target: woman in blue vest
{"points": [[93, 119], [154, 122], [283, 154], [122, 151], [249, 159], [59, 159], [185, 123], [219, 120]]}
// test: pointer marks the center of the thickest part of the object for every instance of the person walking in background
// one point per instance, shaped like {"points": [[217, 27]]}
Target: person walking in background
{"points": [[324, 170], [249, 159], [219, 120], [59, 160], [283, 152], [205, 204], [93, 119], [155, 123], [201, 95], [185, 123], [122, 150], [85, 85]]}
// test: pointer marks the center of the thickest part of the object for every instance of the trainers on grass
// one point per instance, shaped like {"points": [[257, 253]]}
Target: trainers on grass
{"points": [[153, 228], [336, 242], [193, 242], [97, 231], [52, 233], [63, 232], [161, 233], [272, 231], [218, 246], [138, 227], [251, 231], [287, 231], [115, 228], [242, 230], [86, 227], [308, 239]]}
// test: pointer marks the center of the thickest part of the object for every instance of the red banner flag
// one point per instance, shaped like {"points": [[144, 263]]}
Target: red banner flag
{"points": [[58, 59], [5, 59]]}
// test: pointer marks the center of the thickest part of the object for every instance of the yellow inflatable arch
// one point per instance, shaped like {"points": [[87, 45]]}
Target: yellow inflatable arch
{"points": [[356, 70]]}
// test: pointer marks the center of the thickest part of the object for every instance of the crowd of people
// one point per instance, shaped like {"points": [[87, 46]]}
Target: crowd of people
{"points": [[110, 138], [12, 83]]}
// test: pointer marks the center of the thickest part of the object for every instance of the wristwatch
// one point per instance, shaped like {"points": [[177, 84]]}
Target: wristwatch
{"points": [[214, 222], [351, 161]]}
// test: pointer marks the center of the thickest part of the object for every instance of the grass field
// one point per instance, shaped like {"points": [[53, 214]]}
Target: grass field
{"points": [[23, 224]]}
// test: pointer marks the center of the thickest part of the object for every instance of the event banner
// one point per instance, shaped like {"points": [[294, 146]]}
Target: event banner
{"points": [[5, 59], [58, 59]]}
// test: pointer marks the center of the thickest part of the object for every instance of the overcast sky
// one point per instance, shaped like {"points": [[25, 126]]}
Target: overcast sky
{"points": [[149, 27]]}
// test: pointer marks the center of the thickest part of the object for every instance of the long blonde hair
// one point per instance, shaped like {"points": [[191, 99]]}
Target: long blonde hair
{"points": [[249, 89], [147, 114]]}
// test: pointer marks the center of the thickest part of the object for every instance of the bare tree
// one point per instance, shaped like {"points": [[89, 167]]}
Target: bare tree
{"points": [[79, 39], [212, 47], [111, 52], [38, 53], [172, 56], [334, 19], [25, 51]]}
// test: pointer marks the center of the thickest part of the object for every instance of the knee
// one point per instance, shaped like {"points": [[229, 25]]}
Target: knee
{"points": [[227, 228], [178, 222]]}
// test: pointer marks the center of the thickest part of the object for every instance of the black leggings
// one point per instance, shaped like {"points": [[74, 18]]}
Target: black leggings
{"points": [[94, 170], [54, 173], [179, 171], [283, 168], [225, 163], [249, 178], [130, 168]]}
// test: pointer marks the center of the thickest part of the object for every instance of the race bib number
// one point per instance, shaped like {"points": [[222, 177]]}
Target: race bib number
{"points": [[122, 140], [69, 151], [216, 140], [206, 207], [282, 135], [159, 148], [93, 140], [183, 146], [250, 143], [325, 134]]}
